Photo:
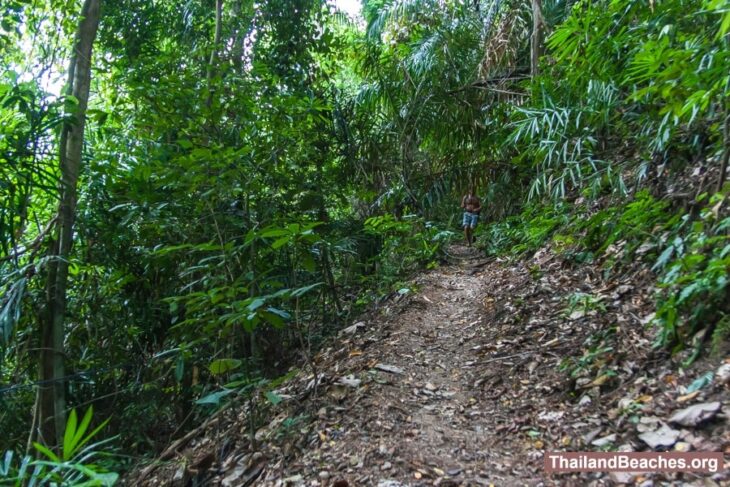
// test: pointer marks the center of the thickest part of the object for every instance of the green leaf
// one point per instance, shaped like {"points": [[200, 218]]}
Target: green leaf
{"points": [[255, 304], [280, 242], [276, 317], [85, 423], [273, 398], [700, 382], [68, 437], [663, 258], [299, 292], [274, 232], [279, 312], [5, 466], [215, 397], [308, 263], [106, 479], [80, 431], [48, 453], [10, 312], [223, 365]]}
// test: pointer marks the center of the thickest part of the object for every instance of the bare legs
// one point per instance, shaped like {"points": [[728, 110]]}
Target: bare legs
{"points": [[468, 235]]}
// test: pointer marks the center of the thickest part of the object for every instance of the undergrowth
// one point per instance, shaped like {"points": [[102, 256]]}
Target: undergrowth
{"points": [[407, 245], [689, 253]]}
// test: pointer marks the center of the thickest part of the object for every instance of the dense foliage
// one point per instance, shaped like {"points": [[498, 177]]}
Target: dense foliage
{"points": [[255, 174]]}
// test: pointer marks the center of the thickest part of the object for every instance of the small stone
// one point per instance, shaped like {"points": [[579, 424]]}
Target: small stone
{"points": [[682, 446], [179, 478], [622, 477], [625, 403], [350, 381], [723, 374], [324, 475], [664, 436], [695, 414], [606, 440], [386, 466]]}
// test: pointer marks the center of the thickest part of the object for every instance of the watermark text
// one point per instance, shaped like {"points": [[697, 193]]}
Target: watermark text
{"points": [[636, 462]]}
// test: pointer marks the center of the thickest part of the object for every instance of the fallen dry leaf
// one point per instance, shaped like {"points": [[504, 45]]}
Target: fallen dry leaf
{"points": [[696, 414], [392, 369], [688, 397]]}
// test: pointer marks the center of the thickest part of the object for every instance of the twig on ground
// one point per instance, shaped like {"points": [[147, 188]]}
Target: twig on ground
{"points": [[495, 359]]}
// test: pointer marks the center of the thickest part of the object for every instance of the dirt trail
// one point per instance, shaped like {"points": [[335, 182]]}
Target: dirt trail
{"points": [[419, 416]]}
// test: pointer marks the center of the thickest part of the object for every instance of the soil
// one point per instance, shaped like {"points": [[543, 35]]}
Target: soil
{"points": [[469, 378]]}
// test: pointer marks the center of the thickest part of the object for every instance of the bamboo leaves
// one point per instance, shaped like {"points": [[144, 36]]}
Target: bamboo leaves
{"points": [[11, 309]]}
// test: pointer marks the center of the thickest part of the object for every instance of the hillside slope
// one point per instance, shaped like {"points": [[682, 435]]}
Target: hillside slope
{"points": [[468, 380]]}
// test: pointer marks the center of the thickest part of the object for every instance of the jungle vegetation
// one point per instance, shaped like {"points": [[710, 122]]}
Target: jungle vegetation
{"points": [[195, 194]]}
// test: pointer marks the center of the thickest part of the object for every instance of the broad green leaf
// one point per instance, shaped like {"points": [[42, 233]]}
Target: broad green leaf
{"points": [[256, 304], [223, 365], [215, 397], [278, 243], [279, 312]]}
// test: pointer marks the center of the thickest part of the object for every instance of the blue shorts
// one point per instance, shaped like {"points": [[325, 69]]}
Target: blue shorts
{"points": [[470, 219]]}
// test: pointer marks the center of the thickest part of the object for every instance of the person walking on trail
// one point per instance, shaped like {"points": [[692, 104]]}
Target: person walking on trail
{"points": [[472, 206]]}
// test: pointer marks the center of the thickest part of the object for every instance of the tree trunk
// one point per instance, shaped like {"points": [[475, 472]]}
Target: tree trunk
{"points": [[239, 39], [52, 392], [214, 53], [537, 37]]}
